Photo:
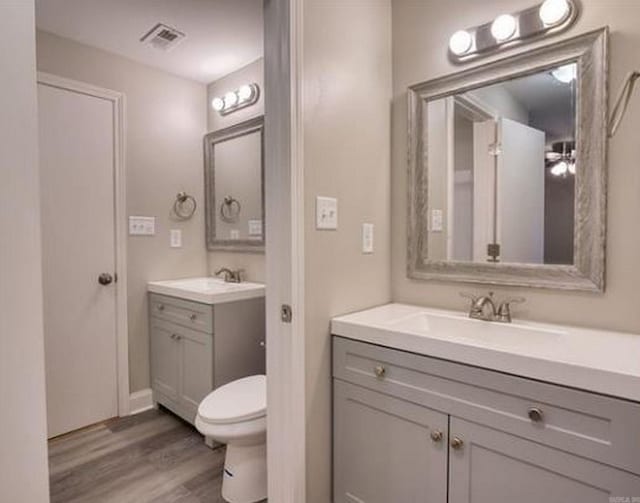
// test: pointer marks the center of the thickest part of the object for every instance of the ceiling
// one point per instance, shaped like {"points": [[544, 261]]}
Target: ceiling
{"points": [[222, 35]]}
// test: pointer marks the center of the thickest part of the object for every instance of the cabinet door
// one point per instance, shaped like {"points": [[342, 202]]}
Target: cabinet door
{"points": [[383, 450], [196, 369], [164, 359], [495, 467]]}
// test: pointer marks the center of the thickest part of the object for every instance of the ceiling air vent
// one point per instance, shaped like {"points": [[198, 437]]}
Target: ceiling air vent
{"points": [[162, 37]]}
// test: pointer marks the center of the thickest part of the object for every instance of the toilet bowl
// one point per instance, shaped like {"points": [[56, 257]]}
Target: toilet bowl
{"points": [[236, 414]]}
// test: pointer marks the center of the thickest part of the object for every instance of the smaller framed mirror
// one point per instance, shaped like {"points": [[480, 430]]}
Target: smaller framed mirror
{"points": [[234, 187], [507, 161]]}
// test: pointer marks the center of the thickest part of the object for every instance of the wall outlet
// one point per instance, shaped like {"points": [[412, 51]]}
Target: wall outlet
{"points": [[175, 238], [255, 228], [142, 226], [436, 221], [326, 213], [367, 238]]}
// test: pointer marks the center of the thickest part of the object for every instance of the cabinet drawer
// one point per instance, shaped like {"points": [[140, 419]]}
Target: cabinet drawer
{"points": [[591, 425], [183, 312]]}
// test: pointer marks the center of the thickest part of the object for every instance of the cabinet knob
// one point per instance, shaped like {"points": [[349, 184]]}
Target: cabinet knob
{"points": [[456, 443], [535, 414], [380, 371], [160, 307], [436, 435], [193, 317], [178, 337]]}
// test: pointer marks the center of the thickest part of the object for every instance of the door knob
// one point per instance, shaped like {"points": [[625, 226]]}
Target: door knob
{"points": [[105, 279]]}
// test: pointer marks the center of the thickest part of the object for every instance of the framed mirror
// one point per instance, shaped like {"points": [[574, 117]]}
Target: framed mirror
{"points": [[234, 187], [507, 182]]}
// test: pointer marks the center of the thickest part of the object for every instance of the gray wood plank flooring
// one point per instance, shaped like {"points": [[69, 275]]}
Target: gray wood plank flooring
{"points": [[150, 457]]}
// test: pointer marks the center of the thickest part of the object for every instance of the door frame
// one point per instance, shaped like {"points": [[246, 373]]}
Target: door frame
{"points": [[117, 101], [284, 191]]}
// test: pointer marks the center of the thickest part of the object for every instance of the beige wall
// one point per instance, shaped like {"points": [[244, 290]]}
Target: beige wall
{"points": [[23, 445], [347, 91], [252, 263], [421, 32], [165, 121]]}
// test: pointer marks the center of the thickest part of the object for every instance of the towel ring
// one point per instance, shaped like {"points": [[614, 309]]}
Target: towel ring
{"points": [[230, 209], [184, 206]]}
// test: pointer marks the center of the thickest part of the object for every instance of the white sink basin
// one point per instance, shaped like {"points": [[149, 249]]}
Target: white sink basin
{"points": [[596, 360], [460, 327], [207, 290]]}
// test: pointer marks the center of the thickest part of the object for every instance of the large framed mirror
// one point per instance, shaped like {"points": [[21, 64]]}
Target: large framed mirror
{"points": [[234, 187], [507, 182]]}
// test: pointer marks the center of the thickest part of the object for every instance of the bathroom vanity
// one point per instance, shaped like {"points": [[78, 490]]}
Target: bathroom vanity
{"points": [[432, 406], [203, 333]]}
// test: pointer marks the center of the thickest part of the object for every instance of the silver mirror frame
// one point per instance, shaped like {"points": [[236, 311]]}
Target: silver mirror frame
{"points": [[588, 270], [235, 245]]}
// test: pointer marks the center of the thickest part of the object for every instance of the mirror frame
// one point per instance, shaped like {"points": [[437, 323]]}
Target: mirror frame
{"points": [[210, 140], [587, 273]]}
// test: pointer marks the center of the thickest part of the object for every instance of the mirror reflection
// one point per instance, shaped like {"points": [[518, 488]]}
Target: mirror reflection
{"points": [[502, 170]]}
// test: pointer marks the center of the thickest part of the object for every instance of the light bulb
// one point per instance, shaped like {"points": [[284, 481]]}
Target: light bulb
{"points": [[217, 104], [559, 168], [460, 42], [572, 168], [565, 74], [230, 99], [553, 12], [245, 92], [503, 27]]}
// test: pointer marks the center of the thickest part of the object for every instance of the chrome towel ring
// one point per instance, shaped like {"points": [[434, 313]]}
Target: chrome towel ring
{"points": [[184, 206]]}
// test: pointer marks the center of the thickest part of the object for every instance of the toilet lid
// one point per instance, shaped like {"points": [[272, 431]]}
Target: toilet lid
{"points": [[236, 401]]}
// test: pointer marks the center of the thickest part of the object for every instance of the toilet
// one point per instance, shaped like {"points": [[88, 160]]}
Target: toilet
{"points": [[236, 414]]}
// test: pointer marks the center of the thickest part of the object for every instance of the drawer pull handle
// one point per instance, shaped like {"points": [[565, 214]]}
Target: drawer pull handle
{"points": [[380, 371], [160, 307], [436, 436], [193, 317], [535, 414], [457, 443]]}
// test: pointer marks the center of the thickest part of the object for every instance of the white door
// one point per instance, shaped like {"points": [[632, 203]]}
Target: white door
{"points": [[78, 245], [520, 225]]}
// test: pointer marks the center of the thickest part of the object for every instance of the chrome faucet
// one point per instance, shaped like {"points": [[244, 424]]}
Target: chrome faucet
{"points": [[484, 307], [230, 275]]}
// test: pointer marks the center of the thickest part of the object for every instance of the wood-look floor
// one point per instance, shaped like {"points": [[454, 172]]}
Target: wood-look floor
{"points": [[150, 457]]}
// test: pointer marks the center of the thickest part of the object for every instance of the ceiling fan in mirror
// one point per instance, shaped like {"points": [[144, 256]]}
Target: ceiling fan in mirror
{"points": [[561, 159]]}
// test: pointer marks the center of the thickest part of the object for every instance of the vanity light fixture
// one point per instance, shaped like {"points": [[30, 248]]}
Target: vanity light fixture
{"points": [[508, 30], [232, 101]]}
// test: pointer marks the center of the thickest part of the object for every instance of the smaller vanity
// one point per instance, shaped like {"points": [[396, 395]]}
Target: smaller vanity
{"points": [[204, 333], [430, 405]]}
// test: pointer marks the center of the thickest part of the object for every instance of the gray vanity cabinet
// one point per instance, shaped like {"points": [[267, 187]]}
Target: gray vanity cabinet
{"points": [[411, 428], [493, 467], [385, 451], [196, 348]]}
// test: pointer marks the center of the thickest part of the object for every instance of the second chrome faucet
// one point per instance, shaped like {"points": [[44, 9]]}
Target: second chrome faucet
{"points": [[485, 308]]}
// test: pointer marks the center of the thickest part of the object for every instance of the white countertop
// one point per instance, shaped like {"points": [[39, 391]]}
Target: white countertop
{"points": [[207, 290], [595, 360]]}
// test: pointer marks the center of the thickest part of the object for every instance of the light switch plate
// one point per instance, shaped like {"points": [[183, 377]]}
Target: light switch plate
{"points": [[326, 213], [436, 220], [367, 238], [234, 234], [142, 226], [175, 238]]}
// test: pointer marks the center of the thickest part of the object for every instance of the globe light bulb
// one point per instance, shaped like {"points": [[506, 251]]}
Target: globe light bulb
{"points": [[559, 168], [503, 27], [460, 42], [245, 92], [217, 104], [565, 74], [230, 99], [553, 12], [572, 168]]}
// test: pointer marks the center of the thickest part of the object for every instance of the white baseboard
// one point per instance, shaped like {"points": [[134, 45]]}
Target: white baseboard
{"points": [[139, 401]]}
